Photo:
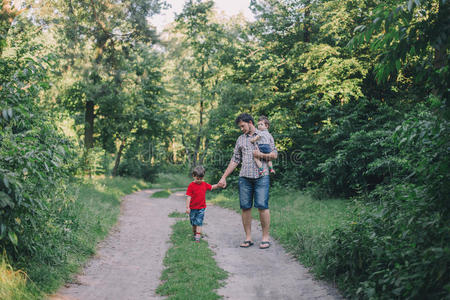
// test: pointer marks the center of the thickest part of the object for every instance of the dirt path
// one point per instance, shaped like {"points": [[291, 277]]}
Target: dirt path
{"points": [[129, 262]]}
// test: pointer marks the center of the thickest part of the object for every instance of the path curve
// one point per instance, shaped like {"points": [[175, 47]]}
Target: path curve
{"points": [[128, 263]]}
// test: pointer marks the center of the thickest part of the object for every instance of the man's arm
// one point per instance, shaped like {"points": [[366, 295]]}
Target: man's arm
{"points": [[231, 166], [266, 156]]}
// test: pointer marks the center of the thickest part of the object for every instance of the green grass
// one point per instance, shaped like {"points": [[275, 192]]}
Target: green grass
{"points": [[191, 271], [299, 222], [13, 284], [162, 194], [177, 214]]}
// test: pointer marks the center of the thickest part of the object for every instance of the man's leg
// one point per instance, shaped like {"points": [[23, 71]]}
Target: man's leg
{"points": [[247, 223], [246, 191], [262, 203], [264, 217]]}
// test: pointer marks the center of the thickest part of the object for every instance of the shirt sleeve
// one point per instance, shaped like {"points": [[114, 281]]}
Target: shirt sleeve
{"points": [[237, 155], [208, 186], [189, 190]]}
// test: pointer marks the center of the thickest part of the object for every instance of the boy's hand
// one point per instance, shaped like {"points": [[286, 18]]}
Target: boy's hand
{"points": [[188, 210], [222, 183]]}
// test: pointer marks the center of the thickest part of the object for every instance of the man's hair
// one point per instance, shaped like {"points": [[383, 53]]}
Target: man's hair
{"points": [[265, 120], [245, 118], [198, 171]]}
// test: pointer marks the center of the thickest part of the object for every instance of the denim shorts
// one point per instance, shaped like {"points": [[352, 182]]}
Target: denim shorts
{"points": [[196, 216], [264, 148], [254, 192]]}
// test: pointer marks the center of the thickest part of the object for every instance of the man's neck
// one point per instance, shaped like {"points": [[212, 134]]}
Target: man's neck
{"points": [[252, 130]]}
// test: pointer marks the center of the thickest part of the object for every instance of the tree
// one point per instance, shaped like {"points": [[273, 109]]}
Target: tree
{"points": [[98, 34], [199, 42]]}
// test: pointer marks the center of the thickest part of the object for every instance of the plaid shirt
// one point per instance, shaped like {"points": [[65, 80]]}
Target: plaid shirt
{"points": [[243, 153]]}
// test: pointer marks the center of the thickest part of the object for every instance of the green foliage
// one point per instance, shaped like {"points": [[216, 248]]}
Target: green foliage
{"points": [[399, 247], [409, 33], [135, 165], [35, 159]]}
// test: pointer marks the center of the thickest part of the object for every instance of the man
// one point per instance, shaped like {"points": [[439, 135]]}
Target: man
{"points": [[253, 187]]}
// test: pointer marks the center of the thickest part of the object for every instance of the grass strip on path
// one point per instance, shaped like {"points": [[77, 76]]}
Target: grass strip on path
{"points": [[162, 194], [191, 271]]}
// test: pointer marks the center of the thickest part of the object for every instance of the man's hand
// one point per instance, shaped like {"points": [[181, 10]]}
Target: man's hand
{"points": [[257, 154], [268, 156], [222, 183]]}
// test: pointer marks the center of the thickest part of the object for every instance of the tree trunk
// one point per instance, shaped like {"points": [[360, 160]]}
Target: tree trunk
{"points": [[118, 156], [89, 125], [307, 24], [200, 126]]}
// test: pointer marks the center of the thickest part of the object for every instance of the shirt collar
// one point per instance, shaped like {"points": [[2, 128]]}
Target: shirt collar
{"points": [[254, 133]]}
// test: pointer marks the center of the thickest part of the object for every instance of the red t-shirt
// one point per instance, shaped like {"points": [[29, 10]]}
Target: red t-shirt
{"points": [[197, 191]]}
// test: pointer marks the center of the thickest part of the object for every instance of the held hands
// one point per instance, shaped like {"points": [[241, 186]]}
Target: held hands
{"points": [[222, 183]]}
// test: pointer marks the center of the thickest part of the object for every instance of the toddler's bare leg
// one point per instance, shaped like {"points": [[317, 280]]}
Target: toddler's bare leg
{"points": [[258, 162]]}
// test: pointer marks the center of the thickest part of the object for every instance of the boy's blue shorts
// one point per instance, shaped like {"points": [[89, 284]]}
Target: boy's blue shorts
{"points": [[196, 216], [264, 148]]}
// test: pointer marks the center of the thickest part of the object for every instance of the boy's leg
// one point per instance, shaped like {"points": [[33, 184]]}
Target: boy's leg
{"points": [[198, 234], [199, 222], [269, 164], [199, 230], [260, 166]]}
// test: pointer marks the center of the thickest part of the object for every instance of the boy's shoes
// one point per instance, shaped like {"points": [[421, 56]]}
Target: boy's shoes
{"points": [[197, 238], [261, 171]]}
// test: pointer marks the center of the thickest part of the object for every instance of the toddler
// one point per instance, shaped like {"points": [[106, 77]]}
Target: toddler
{"points": [[263, 140], [196, 201]]}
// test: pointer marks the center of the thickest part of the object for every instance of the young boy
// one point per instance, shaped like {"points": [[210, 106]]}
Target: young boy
{"points": [[263, 138], [196, 202]]}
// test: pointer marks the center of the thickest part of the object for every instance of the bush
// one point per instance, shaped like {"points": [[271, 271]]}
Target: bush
{"points": [[398, 247], [138, 169], [35, 160]]}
